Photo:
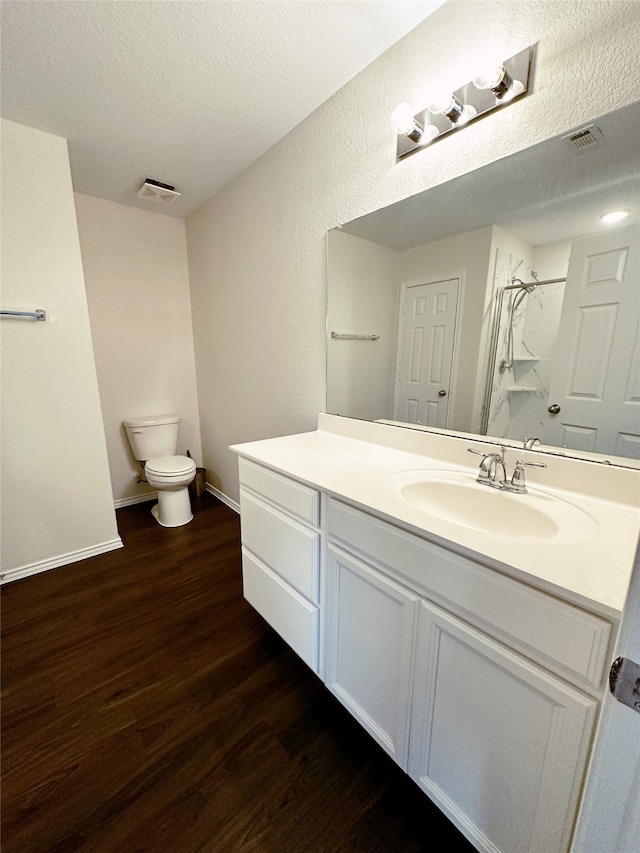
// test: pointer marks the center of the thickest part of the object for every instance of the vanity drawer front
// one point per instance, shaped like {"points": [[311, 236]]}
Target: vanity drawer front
{"points": [[286, 546], [294, 618], [564, 638], [296, 498]]}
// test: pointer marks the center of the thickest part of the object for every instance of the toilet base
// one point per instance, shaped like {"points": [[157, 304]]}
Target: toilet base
{"points": [[173, 508]]}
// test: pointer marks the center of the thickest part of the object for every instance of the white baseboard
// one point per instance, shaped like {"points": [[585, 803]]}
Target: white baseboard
{"points": [[62, 560], [136, 499], [222, 497]]}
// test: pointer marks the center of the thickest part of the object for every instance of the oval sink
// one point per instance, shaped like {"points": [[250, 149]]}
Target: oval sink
{"points": [[455, 497]]}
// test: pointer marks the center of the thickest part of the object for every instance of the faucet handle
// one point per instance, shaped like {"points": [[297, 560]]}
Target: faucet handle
{"points": [[518, 484], [486, 453], [484, 476]]}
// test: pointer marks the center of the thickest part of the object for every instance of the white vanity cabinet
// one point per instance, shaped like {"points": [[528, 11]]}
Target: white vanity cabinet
{"points": [[281, 555], [484, 689]]}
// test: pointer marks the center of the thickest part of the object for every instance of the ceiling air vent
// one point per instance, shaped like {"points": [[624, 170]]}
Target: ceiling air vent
{"points": [[584, 139], [156, 191]]}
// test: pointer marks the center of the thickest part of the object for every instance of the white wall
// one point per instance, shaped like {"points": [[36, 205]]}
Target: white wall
{"points": [[551, 260], [257, 249], [363, 299], [137, 281], [56, 495]]}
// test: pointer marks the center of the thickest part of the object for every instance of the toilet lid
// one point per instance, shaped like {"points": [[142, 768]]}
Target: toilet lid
{"points": [[170, 466]]}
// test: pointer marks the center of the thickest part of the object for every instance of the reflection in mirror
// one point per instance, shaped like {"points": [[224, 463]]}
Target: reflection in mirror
{"points": [[499, 303]]}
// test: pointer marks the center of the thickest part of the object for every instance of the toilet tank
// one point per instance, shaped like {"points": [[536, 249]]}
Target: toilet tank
{"points": [[152, 436]]}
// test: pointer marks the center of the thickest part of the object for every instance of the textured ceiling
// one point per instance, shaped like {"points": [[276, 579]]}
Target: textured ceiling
{"points": [[189, 93]]}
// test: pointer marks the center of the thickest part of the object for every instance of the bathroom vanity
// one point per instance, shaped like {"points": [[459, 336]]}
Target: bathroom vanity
{"points": [[468, 631]]}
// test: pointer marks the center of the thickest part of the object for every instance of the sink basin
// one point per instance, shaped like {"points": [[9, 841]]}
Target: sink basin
{"points": [[456, 497]]}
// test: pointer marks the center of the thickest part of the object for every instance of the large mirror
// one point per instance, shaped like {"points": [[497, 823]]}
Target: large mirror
{"points": [[499, 303]]}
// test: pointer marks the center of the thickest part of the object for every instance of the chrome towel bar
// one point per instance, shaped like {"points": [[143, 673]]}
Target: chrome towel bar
{"points": [[38, 314], [349, 336]]}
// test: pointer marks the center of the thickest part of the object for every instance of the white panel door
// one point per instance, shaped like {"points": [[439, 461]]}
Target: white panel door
{"points": [[610, 815], [370, 646], [425, 352], [498, 744], [596, 374]]}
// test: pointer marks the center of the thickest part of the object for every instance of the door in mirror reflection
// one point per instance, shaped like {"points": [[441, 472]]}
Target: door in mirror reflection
{"points": [[595, 380], [426, 335]]}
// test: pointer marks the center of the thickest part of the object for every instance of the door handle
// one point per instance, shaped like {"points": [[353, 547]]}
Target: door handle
{"points": [[442, 393], [553, 409], [624, 682]]}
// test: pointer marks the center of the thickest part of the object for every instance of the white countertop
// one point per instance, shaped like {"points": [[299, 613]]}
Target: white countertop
{"points": [[352, 460]]}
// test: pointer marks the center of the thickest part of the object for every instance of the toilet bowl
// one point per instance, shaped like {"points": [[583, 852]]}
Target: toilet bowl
{"points": [[154, 440], [171, 476]]}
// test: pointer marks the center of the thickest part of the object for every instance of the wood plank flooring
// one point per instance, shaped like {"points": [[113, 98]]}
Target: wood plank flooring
{"points": [[146, 708]]}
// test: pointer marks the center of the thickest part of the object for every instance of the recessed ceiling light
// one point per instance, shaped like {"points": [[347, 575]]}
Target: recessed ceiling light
{"points": [[614, 216]]}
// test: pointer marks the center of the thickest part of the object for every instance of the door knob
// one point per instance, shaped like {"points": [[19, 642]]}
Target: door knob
{"points": [[624, 682], [553, 409], [442, 393]]}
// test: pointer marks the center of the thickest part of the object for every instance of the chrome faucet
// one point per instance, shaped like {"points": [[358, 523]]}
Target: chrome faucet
{"points": [[492, 463], [528, 443], [489, 468]]}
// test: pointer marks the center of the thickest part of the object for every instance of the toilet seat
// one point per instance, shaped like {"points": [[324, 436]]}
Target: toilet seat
{"points": [[170, 467]]}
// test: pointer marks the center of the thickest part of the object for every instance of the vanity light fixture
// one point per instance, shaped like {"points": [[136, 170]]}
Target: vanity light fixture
{"points": [[493, 89], [614, 216]]}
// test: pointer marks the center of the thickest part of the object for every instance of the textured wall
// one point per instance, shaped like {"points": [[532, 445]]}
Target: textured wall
{"points": [[135, 269], [257, 249], [56, 494], [362, 298]]}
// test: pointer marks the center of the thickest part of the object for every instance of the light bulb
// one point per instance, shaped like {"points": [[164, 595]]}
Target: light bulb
{"points": [[449, 106], [468, 112], [402, 120], [489, 77], [430, 132], [614, 216], [497, 78], [442, 103]]}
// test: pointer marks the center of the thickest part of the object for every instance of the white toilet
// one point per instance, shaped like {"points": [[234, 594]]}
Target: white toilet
{"points": [[154, 441]]}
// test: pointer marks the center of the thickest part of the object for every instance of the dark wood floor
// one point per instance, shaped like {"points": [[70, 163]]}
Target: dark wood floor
{"points": [[146, 708]]}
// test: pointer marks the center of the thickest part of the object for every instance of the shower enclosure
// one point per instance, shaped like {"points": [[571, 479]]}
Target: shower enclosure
{"points": [[521, 356]]}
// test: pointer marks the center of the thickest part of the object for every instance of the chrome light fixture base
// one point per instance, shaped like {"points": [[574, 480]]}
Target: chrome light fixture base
{"points": [[482, 101]]}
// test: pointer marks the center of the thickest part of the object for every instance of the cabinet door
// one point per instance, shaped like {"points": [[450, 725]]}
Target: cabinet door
{"points": [[499, 744], [371, 631]]}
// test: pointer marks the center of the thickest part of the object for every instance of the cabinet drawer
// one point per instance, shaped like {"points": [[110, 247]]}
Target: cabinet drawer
{"points": [[288, 613], [563, 637], [287, 547], [296, 498]]}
